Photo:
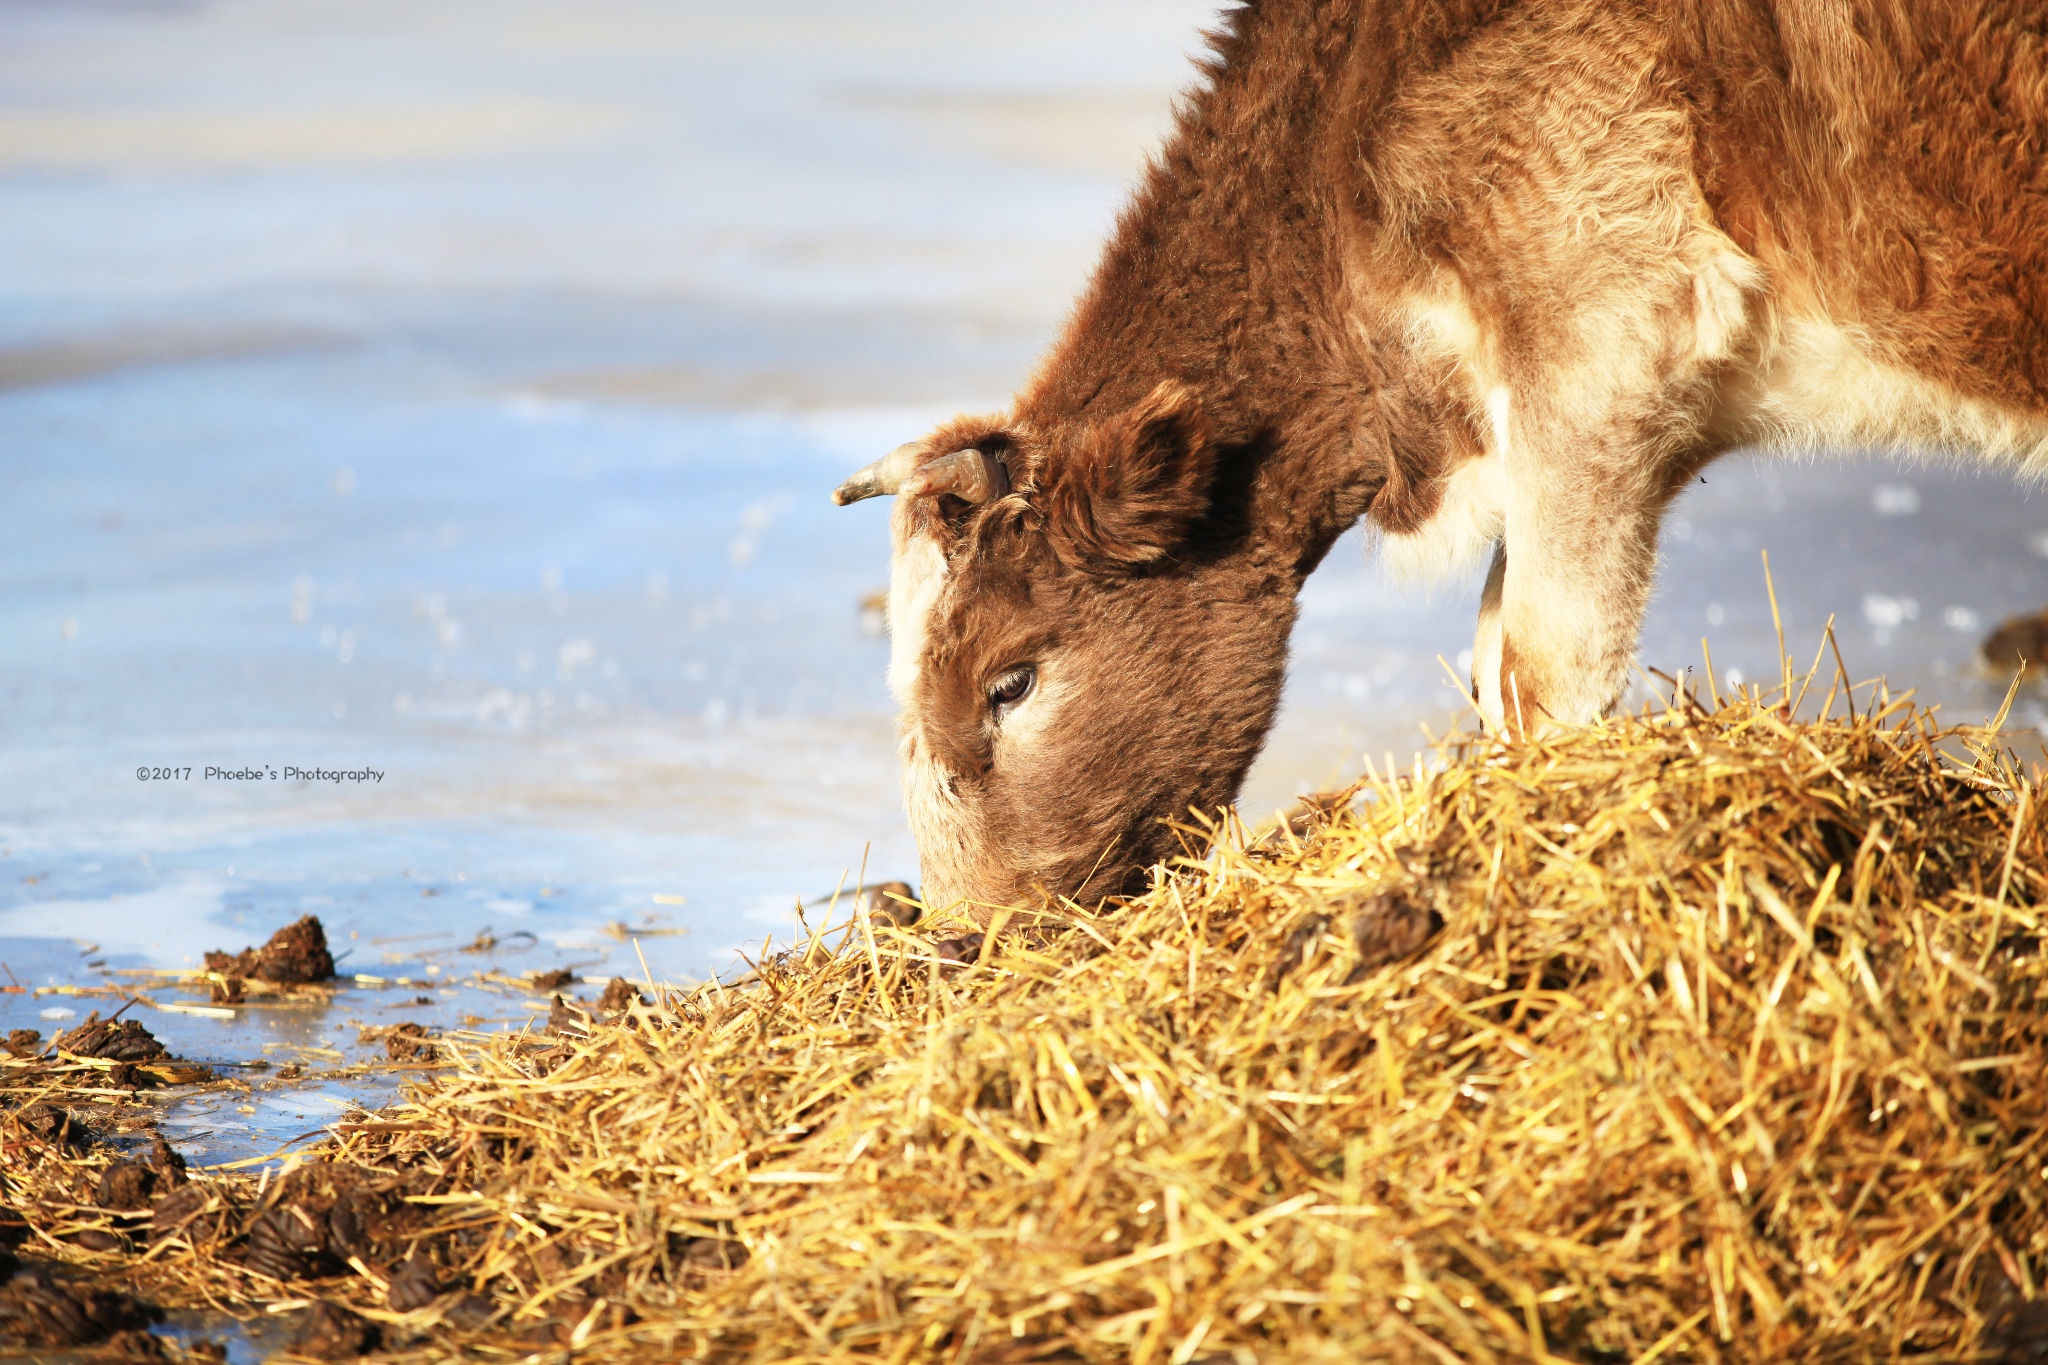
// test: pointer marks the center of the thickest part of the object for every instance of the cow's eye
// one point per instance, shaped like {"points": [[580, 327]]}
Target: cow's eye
{"points": [[1011, 688]]}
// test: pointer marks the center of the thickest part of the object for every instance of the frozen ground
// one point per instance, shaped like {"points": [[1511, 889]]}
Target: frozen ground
{"points": [[452, 392]]}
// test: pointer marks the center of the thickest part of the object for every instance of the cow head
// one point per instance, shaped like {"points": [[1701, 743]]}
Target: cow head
{"points": [[1081, 647]]}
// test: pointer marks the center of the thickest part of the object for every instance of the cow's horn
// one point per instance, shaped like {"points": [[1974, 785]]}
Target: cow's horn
{"points": [[968, 475], [885, 475]]}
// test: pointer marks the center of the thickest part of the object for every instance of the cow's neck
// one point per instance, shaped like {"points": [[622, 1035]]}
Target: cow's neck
{"points": [[1225, 276]]}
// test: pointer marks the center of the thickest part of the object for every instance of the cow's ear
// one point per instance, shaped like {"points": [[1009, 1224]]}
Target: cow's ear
{"points": [[1133, 488]]}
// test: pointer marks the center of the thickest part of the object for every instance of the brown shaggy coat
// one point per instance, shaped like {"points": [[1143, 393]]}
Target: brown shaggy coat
{"points": [[1496, 276]]}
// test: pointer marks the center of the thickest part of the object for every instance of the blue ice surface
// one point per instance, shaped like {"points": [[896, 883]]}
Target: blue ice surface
{"points": [[522, 612]]}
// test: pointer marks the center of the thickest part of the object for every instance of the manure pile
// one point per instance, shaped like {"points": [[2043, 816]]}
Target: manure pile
{"points": [[1703, 1035]]}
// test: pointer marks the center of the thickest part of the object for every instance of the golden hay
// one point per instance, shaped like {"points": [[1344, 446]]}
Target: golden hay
{"points": [[1705, 1035]]}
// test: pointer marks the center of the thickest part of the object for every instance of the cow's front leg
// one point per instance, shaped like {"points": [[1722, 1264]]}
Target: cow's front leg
{"points": [[1565, 598]]}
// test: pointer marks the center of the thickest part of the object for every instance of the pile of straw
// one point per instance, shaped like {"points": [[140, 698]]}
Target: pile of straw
{"points": [[1707, 1034]]}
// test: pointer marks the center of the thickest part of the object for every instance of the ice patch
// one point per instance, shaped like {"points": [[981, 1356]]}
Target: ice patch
{"points": [[1886, 614], [157, 923]]}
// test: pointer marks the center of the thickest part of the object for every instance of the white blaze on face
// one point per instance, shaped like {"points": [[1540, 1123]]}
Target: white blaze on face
{"points": [[917, 578], [917, 575], [936, 821]]}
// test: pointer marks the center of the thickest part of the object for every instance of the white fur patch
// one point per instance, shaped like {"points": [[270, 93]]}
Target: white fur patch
{"points": [[917, 575], [1464, 526], [936, 821], [1821, 386], [1028, 721], [1720, 302], [1443, 325], [927, 797], [1499, 408]]}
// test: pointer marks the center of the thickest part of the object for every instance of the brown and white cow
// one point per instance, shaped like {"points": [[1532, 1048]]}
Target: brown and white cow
{"points": [[1492, 276]]}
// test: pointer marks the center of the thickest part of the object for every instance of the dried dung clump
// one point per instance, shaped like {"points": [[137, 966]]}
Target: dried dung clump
{"points": [[41, 1123], [619, 995], [574, 1018], [118, 1053], [136, 1184], [1709, 1035], [407, 1042], [414, 1284], [321, 1216], [892, 903], [295, 954], [2021, 641], [331, 1332], [40, 1311], [122, 1040]]}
